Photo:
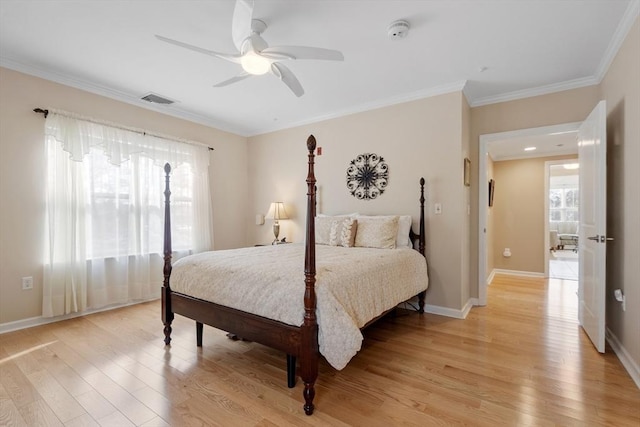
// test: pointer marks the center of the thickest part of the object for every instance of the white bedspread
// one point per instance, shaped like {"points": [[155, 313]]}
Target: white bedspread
{"points": [[353, 286]]}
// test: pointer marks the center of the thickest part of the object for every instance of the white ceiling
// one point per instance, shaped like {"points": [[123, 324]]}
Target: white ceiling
{"points": [[552, 144], [108, 47]]}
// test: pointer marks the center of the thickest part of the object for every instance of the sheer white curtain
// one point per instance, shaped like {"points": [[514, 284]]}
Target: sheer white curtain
{"points": [[104, 212]]}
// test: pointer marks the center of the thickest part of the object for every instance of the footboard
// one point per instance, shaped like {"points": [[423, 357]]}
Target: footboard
{"points": [[299, 343]]}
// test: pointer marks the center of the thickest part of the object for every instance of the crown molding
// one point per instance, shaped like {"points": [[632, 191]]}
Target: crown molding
{"points": [[627, 21], [413, 96], [117, 95], [537, 91]]}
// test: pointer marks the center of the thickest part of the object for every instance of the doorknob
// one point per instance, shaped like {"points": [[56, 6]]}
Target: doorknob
{"points": [[599, 238]]}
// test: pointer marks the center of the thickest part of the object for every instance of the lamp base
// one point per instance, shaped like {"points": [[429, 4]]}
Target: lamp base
{"points": [[276, 232]]}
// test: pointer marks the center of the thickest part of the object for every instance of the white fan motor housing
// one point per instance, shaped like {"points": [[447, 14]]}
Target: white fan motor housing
{"points": [[398, 29]]}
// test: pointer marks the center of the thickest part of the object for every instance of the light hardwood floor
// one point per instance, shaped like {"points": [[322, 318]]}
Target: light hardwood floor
{"points": [[520, 361]]}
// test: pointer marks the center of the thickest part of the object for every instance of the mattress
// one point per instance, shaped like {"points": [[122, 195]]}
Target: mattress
{"points": [[353, 286]]}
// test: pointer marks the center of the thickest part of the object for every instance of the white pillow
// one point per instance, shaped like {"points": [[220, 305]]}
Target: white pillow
{"points": [[336, 230], [404, 227], [377, 232]]}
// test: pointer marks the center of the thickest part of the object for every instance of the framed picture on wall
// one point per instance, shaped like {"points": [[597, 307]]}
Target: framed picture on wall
{"points": [[467, 172], [492, 186]]}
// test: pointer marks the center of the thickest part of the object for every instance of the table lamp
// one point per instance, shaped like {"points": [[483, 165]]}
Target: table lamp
{"points": [[276, 213]]}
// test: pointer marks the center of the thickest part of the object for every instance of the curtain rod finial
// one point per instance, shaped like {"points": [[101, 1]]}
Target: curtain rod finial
{"points": [[40, 110]]}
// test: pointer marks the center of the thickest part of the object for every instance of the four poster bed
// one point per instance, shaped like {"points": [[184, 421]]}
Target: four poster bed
{"points": [[355, 287]]}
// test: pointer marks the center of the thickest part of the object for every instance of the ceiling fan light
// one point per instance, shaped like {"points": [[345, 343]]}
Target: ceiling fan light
{"points": [[255, 64]]}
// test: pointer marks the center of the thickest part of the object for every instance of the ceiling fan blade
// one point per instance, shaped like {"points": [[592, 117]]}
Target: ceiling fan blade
{"points": [[302, 52], [241, 25], [237, 78], [231, 58], [288, 78]]}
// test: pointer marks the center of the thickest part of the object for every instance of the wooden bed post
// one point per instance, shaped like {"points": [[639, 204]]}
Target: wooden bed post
{"points": [[421, 243], [167, 312], [309, 328]]}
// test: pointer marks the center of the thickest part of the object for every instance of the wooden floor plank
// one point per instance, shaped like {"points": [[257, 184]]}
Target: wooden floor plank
{"points": [[521, 360]]}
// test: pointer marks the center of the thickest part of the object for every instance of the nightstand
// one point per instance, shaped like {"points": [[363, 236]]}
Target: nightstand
{"points": [[280, 242]]}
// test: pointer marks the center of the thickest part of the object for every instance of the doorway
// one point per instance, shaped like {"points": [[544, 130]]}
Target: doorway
{"points": [[562, 187], [514, 141]]}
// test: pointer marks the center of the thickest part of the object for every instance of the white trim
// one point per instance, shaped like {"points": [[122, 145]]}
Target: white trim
{"points": [[536, 91], [627, 21], [173, 110], [413, 96], [547, 185], [491, 277], [451, 312], [625, 358], [518, 273], [170, 110], [39, 321]]}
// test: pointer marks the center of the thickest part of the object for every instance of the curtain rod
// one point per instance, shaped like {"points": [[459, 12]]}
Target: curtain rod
{"points": [[143, 132]]}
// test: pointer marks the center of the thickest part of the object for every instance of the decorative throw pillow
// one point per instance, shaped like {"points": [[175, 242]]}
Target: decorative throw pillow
{"points": [[343, 232], [336, 230], [377, 232]]}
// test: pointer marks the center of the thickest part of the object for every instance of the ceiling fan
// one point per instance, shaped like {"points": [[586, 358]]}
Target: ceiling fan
{"points": [[255, 56]]}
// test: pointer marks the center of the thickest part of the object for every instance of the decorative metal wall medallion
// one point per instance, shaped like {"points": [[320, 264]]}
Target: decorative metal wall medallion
{"points": [[367, 176]]}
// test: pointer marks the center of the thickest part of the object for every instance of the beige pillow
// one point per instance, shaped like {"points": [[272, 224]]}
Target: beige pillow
{"points": [[404, 229], [323, 229], [343, 232], [377, 232], [336, 230]]}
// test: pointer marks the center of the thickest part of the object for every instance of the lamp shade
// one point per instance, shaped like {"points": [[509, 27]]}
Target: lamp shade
{"points": [[277, 211]]}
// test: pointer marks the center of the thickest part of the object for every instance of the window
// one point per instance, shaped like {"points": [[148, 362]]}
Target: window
{"points": [[563, 204], [105, 212], [125, 207]]}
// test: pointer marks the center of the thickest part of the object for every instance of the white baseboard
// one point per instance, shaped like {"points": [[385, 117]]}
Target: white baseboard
{"points": [[451, 312], [38, 321], [625, 358], [517, 273], [491, 276]]}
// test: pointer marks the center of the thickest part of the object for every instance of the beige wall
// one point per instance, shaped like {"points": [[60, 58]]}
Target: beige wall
{"points": [[621, 90], [518, 215], [22, 166], [545, 110], [417, 139]]}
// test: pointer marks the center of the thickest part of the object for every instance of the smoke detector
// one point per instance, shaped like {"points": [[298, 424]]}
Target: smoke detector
{"points": [[398, 29]]}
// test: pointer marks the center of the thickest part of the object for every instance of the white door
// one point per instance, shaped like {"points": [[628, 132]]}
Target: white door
{"points": [[592, 154]]}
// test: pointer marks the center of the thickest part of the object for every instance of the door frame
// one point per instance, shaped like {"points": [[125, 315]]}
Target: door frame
{"points": [[547, 185], [483, 196]]}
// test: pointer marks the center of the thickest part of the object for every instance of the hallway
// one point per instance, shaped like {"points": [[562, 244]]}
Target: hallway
{"points": [[563, 264]]}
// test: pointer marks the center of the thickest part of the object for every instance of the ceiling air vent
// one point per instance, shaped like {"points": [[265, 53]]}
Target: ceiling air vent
{"points": [[157, 99]]}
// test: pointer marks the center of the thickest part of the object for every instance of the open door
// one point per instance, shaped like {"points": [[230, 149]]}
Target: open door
{"points": [[592, 154]]}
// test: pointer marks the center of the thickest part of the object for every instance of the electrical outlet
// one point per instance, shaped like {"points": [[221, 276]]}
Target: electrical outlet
{"points": [[27, 283]]}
